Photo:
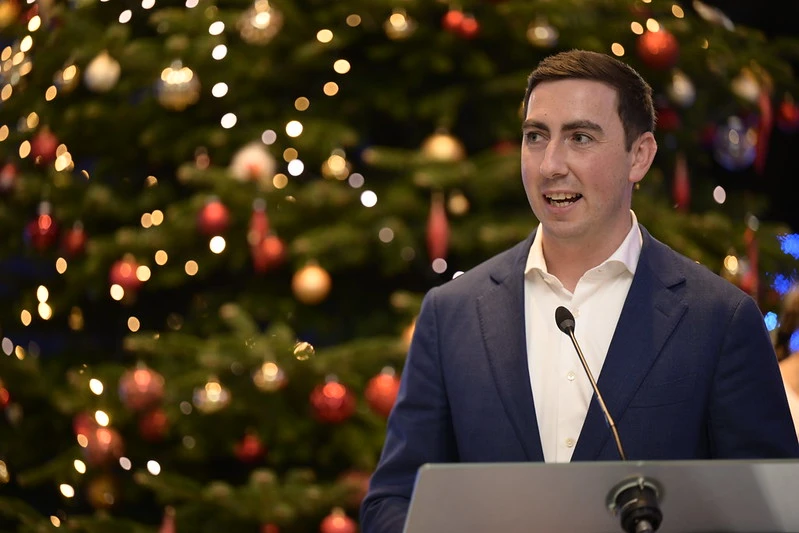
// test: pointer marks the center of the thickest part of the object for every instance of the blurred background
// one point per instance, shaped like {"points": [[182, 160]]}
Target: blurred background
{"points": [[219, 219]]}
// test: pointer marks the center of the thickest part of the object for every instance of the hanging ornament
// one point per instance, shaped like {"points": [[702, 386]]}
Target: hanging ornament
{"points": [[332, 402], [103, 446], [83, 424], [399, 25], [437, 228], [270, 528], [452, 19], [124, 273], [213, 218], [102, 73], [357, 482], [269, 377], [668, 119], [211, 397], [74, 240], [141, 388], [658, 49], [8, 179], [681, 186], [443, 147], [381, 392], [311, 284], [5, 396], [259, 223], [787, 119], [469, 28], [153, 425], [338, 522], [734, 144], [746, 85], [681, 90], [269, 254], [44, 146], [42, 231], [102, 491], [178, 87], [168, 522], [542, 34], [253, 162], [764, 128], [249, 449], [260, 23]]}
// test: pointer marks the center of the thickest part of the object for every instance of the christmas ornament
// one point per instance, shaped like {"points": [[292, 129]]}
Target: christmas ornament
{"points": [[437, 228], [358, 483], [469, 27], [764, 128], [249, 449], [338, 522], [5, 396], [8, 179], [443, 147], [9, 12], [102, 73], [211, 397], [213, 218], [303, 350], [734, 144], [83, 424], [178, 87], [311, 284], [746, 85], [42, 231], [270, 528], [103, 445], [123, 273], [153, 425], [681, 90], [658, 49], [332, 402], [681, 186], [141, 388], [667, 118], [452, 19], [168, 522], [269, 254], [542, 34], [253, 162], [269, 377], [260, 23], [259, 223], [381, 392], [787, 120], [399, 25], [74, 240], [102, 491], [44, 146]]}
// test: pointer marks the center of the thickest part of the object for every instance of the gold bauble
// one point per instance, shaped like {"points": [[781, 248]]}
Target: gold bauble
{"points": [[443, 147], [178, 87], [260, 23], [311, 284]]}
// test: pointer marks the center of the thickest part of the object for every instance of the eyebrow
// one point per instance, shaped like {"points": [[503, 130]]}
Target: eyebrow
{"points": [[569, 126]]}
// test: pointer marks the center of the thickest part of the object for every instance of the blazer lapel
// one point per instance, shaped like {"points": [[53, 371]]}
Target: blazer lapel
{"points": [[501, 313], [650, 314]]}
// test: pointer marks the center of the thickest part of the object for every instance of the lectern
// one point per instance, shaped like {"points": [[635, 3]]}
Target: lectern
{"points": [[720, 496]]}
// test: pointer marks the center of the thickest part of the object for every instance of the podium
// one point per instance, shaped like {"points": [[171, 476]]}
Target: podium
{"points": [[720, 496]]}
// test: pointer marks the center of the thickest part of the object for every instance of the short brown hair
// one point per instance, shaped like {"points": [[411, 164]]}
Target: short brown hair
{"points": [[635, 108]]}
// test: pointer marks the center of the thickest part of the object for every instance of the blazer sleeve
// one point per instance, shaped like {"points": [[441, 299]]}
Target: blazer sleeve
{"points": [[419, 429], [749, 415]]}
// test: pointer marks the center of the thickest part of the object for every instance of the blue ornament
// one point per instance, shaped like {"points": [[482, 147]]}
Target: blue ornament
{"points": [[734, 144]]}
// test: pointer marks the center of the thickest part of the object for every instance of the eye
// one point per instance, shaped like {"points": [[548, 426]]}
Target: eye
{"points": [[581, 138], [532, 136]]}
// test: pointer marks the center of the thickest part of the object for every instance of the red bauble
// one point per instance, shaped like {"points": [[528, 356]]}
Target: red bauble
{"points": [[452, 20], [42, 231], [123, 273], [668, 119], [141, 389], [5, 396], [259, 223], [338, 522], [83, 424], [8, 178], [44, 146], [103, 446], [437, 228], [74, 240], [153, 425], [268, 254], [332, 402], [787, 117], [270, 528], [213, 218], [469, 27], [658, 49], [249, 449], [381, 392]]}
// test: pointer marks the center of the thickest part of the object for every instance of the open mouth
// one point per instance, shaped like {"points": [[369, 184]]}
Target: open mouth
{"points": [[562, 199]]}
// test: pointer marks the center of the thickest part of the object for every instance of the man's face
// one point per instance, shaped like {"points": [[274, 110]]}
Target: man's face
{"points": [[576, 171]]}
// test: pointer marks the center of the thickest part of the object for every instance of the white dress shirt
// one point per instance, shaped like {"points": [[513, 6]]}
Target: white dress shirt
{"points": [[561, 389]]}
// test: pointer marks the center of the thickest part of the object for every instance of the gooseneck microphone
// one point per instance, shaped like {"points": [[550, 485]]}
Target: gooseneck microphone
{"points": [[565, 321]]}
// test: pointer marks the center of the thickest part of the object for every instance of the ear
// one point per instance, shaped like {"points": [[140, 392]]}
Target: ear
{"points": [[642, 153]]}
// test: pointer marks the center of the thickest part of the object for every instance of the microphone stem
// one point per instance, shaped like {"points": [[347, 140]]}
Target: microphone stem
{"points": [[602, 405]]}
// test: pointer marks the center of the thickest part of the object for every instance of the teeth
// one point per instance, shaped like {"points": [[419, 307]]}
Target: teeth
{"points": [[560, 196]]}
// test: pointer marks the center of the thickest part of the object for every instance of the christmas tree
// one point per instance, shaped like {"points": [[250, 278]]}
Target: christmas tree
{"points": [[220, 217]]}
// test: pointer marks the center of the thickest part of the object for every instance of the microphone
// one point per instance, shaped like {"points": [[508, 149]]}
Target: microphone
{"points": [[565, 321]]}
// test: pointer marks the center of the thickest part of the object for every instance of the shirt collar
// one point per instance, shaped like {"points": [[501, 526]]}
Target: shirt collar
{"points": [[626, 254]]}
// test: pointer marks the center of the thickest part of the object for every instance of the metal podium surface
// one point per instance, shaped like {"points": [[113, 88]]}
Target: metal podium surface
{"points": [[695, 496]]}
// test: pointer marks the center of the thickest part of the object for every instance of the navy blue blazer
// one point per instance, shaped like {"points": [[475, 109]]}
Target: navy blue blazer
{"points": [[690, 374]]}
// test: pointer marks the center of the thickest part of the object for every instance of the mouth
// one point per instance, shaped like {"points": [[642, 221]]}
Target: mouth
{"points": [[562, 199]]}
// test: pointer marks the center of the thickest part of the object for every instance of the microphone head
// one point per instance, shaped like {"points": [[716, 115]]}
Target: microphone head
{"points": [[564, 319]]}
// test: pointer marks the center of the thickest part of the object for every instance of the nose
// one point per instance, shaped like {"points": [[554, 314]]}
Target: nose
{"points": [[553, 164]]}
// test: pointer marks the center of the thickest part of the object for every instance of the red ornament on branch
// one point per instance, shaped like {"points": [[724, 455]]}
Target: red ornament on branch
{"points": [[123, 273], [153, 425], [44, 146], [338, 522], [332, 402], [249, 449], [268, 254], [213, 218], [452, 20], [658, 49], [381, 392], [74, 240], [141, 389], [437, 228], [681, 186], [42, 232], [8, 178], [103, 446], [787, 118]]}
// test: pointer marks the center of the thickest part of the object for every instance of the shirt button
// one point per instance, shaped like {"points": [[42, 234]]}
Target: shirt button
{"points": [[570, 376], [569, 443]]}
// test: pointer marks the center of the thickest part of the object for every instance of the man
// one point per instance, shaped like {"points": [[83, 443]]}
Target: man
{"points": [[683, 359]]}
